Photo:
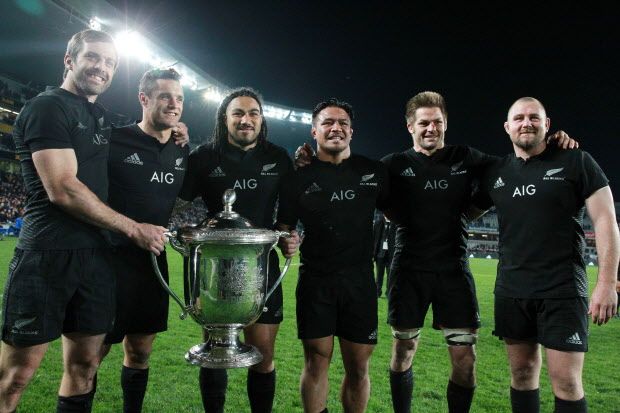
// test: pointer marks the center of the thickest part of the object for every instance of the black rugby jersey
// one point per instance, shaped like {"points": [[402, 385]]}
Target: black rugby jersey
{"points": [[145, 176], [59, 119], [540, 206], [336, 204], [256, 176], [429, 196]]}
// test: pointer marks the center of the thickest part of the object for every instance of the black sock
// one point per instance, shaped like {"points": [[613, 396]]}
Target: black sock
{"points": [[133, 383], [525, 401], [213, 383], [82, 403], [401, 384], [261, 390], [459, 397], [570, 406]]}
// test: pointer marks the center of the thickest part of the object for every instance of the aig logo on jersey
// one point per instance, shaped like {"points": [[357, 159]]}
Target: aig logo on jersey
{"points": [[267, 168], [367, 180], [163, 177], [343, 195], [245, 184], [433, 184], [550, 175], [524, 190]]}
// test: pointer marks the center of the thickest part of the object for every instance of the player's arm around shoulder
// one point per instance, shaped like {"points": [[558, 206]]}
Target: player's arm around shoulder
{"points": [[57, 169], [604, 301]]}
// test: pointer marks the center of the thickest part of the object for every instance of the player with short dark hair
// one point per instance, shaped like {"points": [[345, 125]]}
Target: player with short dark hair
{"points": [[146, 170], [60, 281], [541, 291], [335, 197], [431, 192], [240, 157]]}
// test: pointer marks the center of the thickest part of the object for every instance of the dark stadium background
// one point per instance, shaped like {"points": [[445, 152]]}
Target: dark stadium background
{"points": [[480, 55]]}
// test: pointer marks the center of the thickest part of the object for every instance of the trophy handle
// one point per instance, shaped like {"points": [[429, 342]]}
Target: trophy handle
{"points": [[174, 242], [287, 264], [167, 287]]}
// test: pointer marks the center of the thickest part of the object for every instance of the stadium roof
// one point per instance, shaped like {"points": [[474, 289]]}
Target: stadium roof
{"points": [[35, 30]]}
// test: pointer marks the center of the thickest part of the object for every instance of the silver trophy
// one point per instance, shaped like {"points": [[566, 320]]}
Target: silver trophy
{"points": [[225, 283]]}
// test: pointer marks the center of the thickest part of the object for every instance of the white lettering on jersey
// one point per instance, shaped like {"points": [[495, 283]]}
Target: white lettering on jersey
{"points": [[436, 184], [342, 195], [524, 190], [162, 178], [245, 184]]}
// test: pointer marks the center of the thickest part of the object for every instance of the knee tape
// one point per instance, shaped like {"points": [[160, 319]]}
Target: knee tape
{"points": [[459, 337], [406, 335]]}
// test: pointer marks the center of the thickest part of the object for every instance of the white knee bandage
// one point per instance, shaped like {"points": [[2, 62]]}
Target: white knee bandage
{"points": [[406, 335], [459, 337]]}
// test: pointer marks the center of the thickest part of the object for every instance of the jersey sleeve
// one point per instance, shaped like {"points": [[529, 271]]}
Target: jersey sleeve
{"points": [[592, 176], [46, 125], [191, 182], [480, 161]]}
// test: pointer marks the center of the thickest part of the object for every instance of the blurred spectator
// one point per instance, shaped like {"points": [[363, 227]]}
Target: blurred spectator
{"points": [[12, 197]]}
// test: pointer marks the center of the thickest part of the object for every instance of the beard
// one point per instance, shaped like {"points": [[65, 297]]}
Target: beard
{"points": [[86, 87], [527, 145]]}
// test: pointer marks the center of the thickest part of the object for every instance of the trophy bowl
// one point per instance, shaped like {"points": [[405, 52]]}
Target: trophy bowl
{"points": [[225, 283]]}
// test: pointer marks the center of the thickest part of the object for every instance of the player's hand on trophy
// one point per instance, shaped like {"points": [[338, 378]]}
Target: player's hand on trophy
{"points": [[149, 237], [180, 134], [303, 155], [603, 304], [563, 141], [289, 245]]}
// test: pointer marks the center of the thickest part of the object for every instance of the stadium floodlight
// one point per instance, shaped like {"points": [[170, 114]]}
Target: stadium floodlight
{"points": [[276, 112], [301, 117], [94, 23], [130, 43], [213, 95]]}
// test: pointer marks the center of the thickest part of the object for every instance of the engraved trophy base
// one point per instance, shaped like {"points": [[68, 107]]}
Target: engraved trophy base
{"points": [[223, 350]]}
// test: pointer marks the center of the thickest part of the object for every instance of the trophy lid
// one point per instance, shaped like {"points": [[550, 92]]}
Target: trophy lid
{"points": [[227, 227]]}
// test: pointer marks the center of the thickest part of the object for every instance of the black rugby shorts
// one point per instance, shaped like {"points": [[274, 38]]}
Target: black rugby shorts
{"points": [[141, 301], [556, 323], [53, 292], [452, 293], [343, 305]]}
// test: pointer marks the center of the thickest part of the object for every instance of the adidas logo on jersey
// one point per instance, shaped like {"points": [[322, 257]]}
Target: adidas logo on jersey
{"points": [[549, 175], [80, 125], [313, 188], [366, 178], [178, 163], [499, 183], [134, 159], [217, 173], [267, 168], [373, 335], [407, 172], [574, 339]]}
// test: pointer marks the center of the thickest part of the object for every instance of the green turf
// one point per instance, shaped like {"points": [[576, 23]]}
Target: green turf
{"points": [[173, 384]]}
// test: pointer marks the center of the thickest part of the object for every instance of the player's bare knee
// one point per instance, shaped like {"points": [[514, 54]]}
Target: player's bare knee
{"points": [[567, 387], [138, 356], [523, 374], [16, 380]]}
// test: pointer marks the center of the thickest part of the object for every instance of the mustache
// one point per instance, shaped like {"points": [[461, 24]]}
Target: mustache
{"points": [[99, 73]]}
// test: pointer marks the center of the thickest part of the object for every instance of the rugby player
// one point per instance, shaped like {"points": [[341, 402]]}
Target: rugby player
{"points": [[541, 290], [146, 170], [240, 157], [335, 197], [60, 281]]}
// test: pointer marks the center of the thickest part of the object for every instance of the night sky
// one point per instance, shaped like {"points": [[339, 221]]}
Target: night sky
{"points": [[481, 56]]}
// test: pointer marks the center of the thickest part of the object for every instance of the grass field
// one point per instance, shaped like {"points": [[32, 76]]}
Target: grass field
{"points": [[173, 385]]}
